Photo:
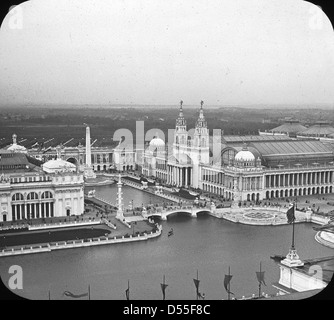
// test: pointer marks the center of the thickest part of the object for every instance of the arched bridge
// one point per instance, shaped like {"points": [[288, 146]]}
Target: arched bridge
{"points": [[164, 213]]}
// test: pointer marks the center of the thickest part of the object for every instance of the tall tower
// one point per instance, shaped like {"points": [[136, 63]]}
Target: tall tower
{"points": [[201, 138], [200, 148], [88, 171], [181, 134]]}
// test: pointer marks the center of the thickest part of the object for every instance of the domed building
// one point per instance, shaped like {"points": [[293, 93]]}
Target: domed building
{"points": [[58, 165], [321, 129], [154, 159], [271, 166], [157, 144], [14, 147], [30, 189], [244, 158]]}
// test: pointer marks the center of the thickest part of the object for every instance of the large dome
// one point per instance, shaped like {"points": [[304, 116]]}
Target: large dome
{"points": [[244, 155], [157, 143], [53, 166], [16, 147]]}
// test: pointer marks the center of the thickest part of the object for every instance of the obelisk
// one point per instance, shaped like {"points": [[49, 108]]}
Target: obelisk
{"points": [[119, 213], [89, 173], [88, 149]]}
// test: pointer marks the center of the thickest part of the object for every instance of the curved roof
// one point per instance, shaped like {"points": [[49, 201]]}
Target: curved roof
{"points": [[157, 143], [289, 127], [244, 155], [236, 139], [17, 148], [14, 147], [294, 147], [52, 166], [319, 129]]}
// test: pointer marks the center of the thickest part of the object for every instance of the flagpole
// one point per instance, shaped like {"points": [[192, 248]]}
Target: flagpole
{"points": [[293, 229], [163, 297], [197, 288], [89, 292], [229, 285], [129, 289], [49, 295], [260, 282]]}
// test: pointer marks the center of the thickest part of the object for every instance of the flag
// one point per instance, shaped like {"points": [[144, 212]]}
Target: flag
{"points": [[127, 292], [227, 280], [71, 295], [260, 277], [290, 214], [163, 288], [196, 282]]}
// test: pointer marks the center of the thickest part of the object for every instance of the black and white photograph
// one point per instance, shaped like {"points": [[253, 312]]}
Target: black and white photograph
{"points": [[166, 151]]}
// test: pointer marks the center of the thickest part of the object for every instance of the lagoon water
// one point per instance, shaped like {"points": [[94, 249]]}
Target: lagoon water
{"points": [[205, 243]]}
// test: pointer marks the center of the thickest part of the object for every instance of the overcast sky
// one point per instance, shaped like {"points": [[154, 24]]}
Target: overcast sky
{"points": [[158, 52]]}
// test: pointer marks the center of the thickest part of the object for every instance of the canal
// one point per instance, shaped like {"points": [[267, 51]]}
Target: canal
{"points": [[205, 243]]}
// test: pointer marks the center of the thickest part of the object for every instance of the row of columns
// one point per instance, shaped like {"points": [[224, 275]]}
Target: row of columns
{"points": [[299, 179], [32, 210], [213, 176], [161, 166], [180, 176], [298, 192], [162, 175], [101, 157], [251, 183]]}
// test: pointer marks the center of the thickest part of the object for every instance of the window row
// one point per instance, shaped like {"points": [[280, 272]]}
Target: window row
{"points": [[32, 196]]}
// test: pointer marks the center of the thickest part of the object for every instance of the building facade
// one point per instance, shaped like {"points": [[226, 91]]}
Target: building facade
{"points": [[248, 168], [30, 189]]}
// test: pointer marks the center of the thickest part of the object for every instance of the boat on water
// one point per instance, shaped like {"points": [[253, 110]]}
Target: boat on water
{"points": [[170, 232]]}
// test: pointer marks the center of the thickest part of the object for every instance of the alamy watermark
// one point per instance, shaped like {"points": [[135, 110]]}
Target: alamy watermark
{"points": [[15, 281]]}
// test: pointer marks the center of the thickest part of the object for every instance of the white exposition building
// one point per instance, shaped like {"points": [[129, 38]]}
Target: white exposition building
{"points": [[30, 189], [247, 167], [90, 154]]}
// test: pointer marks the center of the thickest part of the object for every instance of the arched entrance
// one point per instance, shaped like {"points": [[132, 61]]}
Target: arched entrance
{"points": [[4, 216], [72, 160]]}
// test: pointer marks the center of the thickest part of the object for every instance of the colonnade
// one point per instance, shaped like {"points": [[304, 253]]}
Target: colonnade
{"points": [[32, 210]]}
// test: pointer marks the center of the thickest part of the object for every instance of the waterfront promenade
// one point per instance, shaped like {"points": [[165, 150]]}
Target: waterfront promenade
{"points": [[316, 209], [44, 235]]}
